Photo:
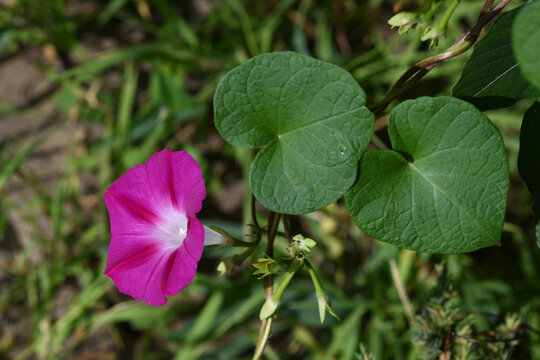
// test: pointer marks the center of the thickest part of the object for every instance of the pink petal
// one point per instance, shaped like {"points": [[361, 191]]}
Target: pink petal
{"points": [[141, 273], [185, 265], [130, 251], [176, 179], [141, 268], [133, 208]]}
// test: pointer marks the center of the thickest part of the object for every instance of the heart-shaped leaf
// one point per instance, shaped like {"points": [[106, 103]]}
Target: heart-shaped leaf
{"points": [[310, 120], [526, 41], [443, 188]]}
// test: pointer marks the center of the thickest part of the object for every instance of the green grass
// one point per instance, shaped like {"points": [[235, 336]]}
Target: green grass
{"points": [[153, 88]]}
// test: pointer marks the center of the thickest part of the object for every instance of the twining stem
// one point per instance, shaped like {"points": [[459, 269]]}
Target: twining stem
{"points": [[268, 281], [268, 285], [421, 68], [486, 8]]}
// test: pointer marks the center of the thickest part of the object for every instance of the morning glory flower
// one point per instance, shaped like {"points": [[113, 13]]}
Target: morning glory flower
{"points": [[156, 239]]}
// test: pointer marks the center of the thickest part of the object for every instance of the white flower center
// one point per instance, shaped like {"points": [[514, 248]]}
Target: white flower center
{"points": [[182, 228], [173, 230], [182, 231]]}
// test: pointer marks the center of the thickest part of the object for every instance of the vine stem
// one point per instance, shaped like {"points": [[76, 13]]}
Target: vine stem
{"points": [[268, 286], [421, 68], [486, 8], [285, 219]]}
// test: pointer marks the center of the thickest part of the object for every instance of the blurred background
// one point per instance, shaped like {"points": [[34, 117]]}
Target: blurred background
{"points": [[90, 88]]}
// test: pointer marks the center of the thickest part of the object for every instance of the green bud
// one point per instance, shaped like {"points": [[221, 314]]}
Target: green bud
{"points": [[325, 306], [222, 268], [304, 244], [433, 34], [322, 307], [403, 18], [265, 267], [322, 299], [404, 28]]}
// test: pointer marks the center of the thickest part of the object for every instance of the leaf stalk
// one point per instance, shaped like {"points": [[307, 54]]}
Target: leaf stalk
{"points": [[268, 286]]}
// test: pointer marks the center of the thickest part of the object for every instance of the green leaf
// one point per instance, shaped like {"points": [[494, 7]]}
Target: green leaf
{"points": [[206, 318], [529, 153], [167, 88], [310, 120], [492, 73], [526, 42], [443, 189]]}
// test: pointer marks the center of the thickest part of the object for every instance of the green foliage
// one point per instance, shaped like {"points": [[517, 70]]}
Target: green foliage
{"points": [[443, 188], [310, 120], [444, 329], [202, 326], [423, 20], [362, 353], [526, 41], [491, 78]]}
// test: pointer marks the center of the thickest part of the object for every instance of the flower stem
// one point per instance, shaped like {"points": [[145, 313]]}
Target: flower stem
{"points": [[443, 23], [285, 281], [268, 286], [271, 304], [264, 335], [319, 291]]}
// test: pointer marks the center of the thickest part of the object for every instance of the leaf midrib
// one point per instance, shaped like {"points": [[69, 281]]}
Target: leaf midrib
{"points": [[457, 205], [320, 120]]}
